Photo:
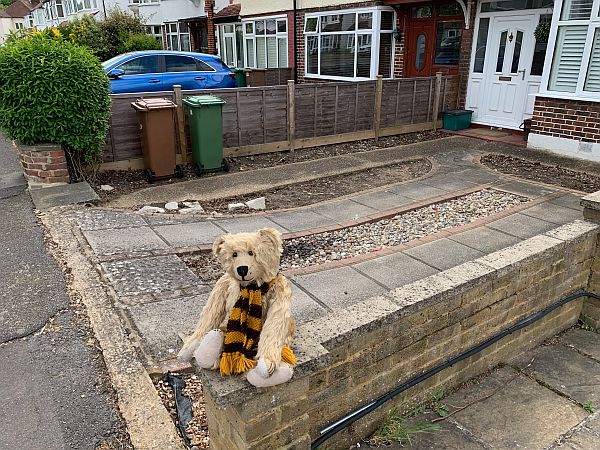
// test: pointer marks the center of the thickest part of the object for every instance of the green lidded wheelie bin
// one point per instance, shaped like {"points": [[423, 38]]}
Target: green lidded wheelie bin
{"points": [[240, 77], [206, 132]]}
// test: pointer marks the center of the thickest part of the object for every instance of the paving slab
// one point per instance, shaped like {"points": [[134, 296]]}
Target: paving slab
{"points": [[585, 341], [572, 201], [553, 213], [583, 439], [521, 226], [304, 307], [443, 253], [12, 183], [161, 324], [484, 239], [124, 240], [340, 287], [566, 370], [248, 224], [188, 234], [522, 414], [300, 220], [150, 276], [92, 219], [526, 189], [417, 191], [449, 183], [344, 210], [63, 194], [382, 200], [395, 270], [476, 175]]}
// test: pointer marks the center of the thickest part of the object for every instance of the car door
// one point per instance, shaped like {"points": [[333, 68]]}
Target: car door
{"points": [[141, 74], [189, 72]]}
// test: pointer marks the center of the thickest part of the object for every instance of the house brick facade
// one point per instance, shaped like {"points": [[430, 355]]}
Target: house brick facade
{"points": [[571, 119]]}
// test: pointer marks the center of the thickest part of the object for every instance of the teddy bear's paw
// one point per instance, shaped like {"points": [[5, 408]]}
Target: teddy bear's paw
{"points": [[281, 375], [265, 367], [186, 353], [209, 351]]}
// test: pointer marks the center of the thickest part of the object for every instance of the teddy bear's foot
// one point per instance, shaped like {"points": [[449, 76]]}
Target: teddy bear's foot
{"points": [[208, 353], [280, 375]]}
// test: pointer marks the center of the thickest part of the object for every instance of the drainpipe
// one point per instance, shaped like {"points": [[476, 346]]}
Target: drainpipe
{"points": [[295, 43]]}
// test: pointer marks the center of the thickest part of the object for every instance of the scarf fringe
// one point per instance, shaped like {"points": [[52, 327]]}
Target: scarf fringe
{"points": [[235, 363], [288, 355]]}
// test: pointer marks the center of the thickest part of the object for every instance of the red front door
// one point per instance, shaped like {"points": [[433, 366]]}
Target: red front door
{"points": [[420, 44]]}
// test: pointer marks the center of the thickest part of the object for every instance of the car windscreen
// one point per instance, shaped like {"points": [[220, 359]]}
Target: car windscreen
{"points": [[111, 61]]}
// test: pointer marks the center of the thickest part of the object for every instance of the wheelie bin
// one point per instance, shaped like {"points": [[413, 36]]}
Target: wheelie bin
{"points": [[206, 133], [159, 144]]}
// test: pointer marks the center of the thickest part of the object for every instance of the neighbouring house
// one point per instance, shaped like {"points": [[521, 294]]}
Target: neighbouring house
{"points": [[12, 18]]}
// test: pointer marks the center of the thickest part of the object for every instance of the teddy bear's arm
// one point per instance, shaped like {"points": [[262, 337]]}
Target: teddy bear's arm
{"points": [[211, 317], [276, 329]]}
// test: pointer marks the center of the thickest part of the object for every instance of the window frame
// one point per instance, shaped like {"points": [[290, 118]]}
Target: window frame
{"points": [[375, 33], [593, 24], [277, 35]]}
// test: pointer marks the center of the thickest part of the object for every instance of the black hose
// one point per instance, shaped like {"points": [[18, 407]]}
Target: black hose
{"points": [[362, 411]]}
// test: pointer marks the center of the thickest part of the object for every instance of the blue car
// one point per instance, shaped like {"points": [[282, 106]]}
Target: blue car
{"points": [[158, 70]]}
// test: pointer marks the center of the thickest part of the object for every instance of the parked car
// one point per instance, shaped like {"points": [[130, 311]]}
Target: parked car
{"points": [[158, 70]]}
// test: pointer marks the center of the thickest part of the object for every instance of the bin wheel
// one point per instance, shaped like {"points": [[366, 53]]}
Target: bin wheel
{"points": [[179, 173], [149, 175], [225, 165], [198, 168]]}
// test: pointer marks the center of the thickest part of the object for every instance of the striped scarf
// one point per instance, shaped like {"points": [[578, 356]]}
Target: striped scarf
{"points": [[243, 331]]}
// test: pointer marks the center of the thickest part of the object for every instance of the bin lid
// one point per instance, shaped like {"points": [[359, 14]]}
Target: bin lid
{"points": [[458, 112], [201, 100], [147, 104]]}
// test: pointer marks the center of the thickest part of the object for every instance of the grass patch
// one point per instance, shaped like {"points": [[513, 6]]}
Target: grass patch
{"points": [[589, 407], [585, 324]]}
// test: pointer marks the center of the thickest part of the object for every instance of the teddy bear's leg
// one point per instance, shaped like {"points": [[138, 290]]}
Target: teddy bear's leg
{"points": [[208, 353], [281, 375]]}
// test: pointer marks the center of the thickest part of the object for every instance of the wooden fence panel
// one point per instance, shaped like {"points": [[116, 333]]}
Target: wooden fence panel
{"points": [[306, 107]]}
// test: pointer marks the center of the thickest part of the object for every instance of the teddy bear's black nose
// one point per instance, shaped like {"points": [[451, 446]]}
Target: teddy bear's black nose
{"points": [[242, 271]]}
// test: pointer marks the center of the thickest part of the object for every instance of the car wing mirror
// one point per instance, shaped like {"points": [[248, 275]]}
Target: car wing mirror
{"points": [[116, 73]]}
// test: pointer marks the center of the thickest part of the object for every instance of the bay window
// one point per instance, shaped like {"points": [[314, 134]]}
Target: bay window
{"points": [[266, 42], [350, 44], [178, 36]]}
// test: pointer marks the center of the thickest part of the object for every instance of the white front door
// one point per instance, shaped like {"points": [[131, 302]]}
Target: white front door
{"points": [[499, 95]]}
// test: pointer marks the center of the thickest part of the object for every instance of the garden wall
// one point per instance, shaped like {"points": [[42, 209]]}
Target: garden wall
{"points": [[357, 354], [274, 118]]}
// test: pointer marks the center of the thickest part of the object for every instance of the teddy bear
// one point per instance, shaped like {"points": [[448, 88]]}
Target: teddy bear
{"points": [[246, 325]]}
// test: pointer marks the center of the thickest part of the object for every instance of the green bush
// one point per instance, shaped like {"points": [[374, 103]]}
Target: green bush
{"points": [[56, 92], [116, 27], [136, 42]]}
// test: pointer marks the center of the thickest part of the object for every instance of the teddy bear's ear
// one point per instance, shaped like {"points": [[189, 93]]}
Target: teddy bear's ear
{"points": [[271, 237], [218, 246]]}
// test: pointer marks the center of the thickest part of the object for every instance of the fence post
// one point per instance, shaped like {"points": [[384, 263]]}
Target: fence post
{"points": [[377, 112], [180, 122], [436, 99], [291, 115]]}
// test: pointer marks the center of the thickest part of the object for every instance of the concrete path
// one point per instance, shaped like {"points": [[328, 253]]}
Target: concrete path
{"points": [[54, 393], [537, 406]]}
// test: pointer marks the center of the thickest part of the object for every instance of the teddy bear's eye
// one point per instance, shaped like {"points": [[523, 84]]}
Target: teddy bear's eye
{"points": [[251, 253], [234, 254]]}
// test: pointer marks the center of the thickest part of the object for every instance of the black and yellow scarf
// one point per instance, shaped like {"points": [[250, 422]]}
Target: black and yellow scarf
{"points": [[243, 331]]}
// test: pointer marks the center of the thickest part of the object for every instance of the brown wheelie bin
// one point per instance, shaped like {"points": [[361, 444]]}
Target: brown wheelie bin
{"points": [[159, 144]]}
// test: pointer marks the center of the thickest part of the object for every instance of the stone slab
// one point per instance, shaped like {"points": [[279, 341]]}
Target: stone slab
{"points": [[338, 288], [443, 253], [586, 342], [417, 191], [63, 194], [304, 307], [566, 370], [484, 239], [449, 183], [150, 276], [477, 176], [12, 183], [395, 270], [161, 324], [189, 234], [247, 224], [568, 201], [523, 414], [382, 200], [553, 213], [582, 439], [521, 226], [344, 210], [526, 189], [92, 219], [591, 201], [300, 220], [124, 241]]}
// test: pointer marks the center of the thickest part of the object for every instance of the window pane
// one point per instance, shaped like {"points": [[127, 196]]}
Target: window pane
{"points": [[338, 22], [281, 26], [387, 20], [147, 64], [272, 52], [592, 81], [176, 63], [203, 67], [239, 46], [228, 28], [363, 60], [249, 27], [261, 53], [229, 51], [185, 42], [512, 5], [501, 51], [447, 44], [451, 9], [311, 24], [282, 52], [576, 9], [385, 55], [482, 35], [260, 27], [312, 54], [568, 54], [271, 27], [365, 21], [420, 56], [337, 55], [422, 12], [514, 68], [183, 28], [250, 53]]}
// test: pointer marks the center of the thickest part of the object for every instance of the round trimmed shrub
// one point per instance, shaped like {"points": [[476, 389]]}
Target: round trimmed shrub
{"points": [[52, 91]]}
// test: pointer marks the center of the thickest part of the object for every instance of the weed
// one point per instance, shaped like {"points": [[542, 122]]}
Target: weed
{"points": [[585, 324], [439, 408], [589, 407], [394, 429]]}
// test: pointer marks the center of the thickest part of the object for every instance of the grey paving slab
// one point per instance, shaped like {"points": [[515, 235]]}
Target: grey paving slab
{"points": [[566, 370], [91, 219], [526, 189], [248, 224], [553, 213], [338, 288], [344, 210], [300, 220], [395, 270], [152, 275], [449, 183], [124, 240], [304, 307], [522, 414], [475, 175], [582, 439], [454, 158], [484, 239], [568, 201], [417, 190], [63, 194], [443, 253], [521, 226], [587, 342], [12, 183], [188, 234], [162, 324], [382, 200], [593, 423]]}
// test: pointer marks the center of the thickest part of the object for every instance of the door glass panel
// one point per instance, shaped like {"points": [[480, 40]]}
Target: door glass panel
{"points": [[420, 55], [514, 68], [147, 64], [576, 10], [447, 44], [482, 35], [501, 51], [539, 51]]}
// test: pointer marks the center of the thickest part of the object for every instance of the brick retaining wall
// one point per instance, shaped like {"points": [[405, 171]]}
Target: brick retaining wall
{"points": [[44, 163]]}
